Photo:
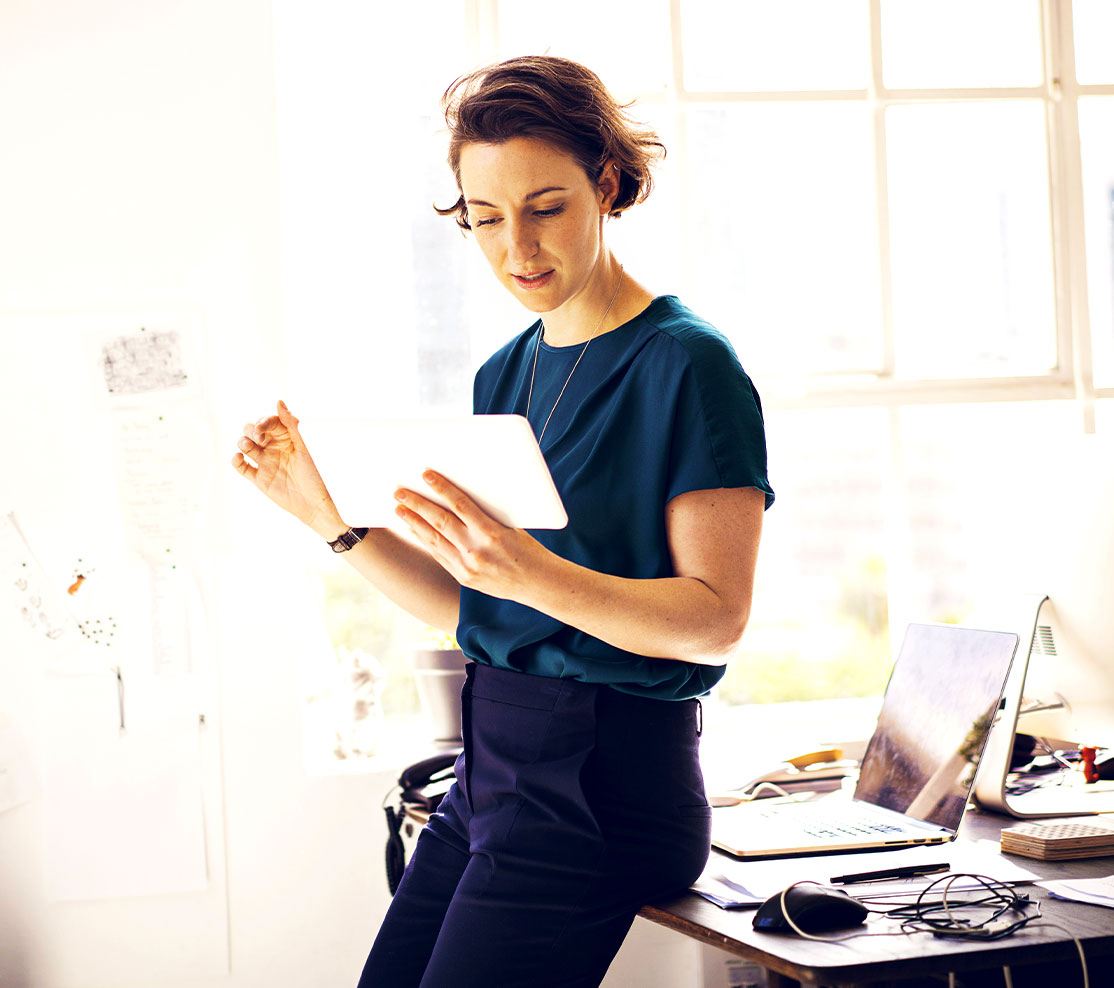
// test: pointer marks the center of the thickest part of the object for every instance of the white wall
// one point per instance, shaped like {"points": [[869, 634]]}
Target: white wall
{"points": [[138, 171]]}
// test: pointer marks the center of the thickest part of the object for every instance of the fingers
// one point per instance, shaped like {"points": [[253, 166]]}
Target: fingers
{"points": [[243, 467], [255, 439], [259, 434], [458, 503], [249, 448], [418, 525], [262, 430]]}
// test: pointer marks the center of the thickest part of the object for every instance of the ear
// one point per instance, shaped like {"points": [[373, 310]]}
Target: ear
{"points": [[607, 186]]}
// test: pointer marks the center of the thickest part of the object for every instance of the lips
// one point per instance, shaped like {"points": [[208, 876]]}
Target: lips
{"points": [[532, 282]]}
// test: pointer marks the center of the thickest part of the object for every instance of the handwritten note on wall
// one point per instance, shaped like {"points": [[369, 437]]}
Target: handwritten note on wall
{"points": [[160, 487]]}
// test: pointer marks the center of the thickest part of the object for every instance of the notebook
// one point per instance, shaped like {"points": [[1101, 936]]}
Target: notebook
{"points": [[916, 774]]}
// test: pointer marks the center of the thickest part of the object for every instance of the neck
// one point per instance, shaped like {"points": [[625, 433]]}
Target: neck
{"points": [[579, 319]]}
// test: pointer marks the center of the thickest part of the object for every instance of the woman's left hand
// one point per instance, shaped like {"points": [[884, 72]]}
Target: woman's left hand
{"points": [[479, 552]]}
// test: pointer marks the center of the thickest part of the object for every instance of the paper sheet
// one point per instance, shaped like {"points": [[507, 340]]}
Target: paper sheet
{"points": [[122, 810], [158, 454], [156, 358], [170, 621], [34, 606], [1095, 891], [742, 883]]}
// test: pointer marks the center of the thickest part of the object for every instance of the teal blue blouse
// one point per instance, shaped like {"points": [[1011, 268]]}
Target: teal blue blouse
{"points": [[656, 407]]}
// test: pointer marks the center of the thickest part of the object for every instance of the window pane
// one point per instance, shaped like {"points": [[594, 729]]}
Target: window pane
{"points": [[355, 219], [1096, 133], [755, 45], [784, 251], [638, 236], [963, 468], [627, 46], [1094, 31], [961, 43], [970, 239], [819, 625]]}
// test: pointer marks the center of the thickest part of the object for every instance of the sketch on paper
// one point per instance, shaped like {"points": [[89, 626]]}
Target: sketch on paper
{"points": [[81, 573], [144, 362], [40, 607]]}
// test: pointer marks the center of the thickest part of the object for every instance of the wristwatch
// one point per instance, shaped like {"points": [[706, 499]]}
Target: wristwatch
{"points": [[348, 539]]}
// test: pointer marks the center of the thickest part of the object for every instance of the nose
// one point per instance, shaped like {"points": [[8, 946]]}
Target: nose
{"points": [[522, 242]]}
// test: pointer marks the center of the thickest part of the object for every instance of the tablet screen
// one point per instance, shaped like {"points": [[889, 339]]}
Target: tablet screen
{"points": [[495, 459]]}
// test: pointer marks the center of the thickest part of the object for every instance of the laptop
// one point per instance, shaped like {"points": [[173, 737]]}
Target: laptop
{"points": [[916, 775]]}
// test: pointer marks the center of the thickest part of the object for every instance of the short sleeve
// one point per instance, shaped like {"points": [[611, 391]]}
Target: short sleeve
{"points": [[719, 436]]}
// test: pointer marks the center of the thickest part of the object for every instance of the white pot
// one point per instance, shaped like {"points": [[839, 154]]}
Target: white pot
{"points": [[439, 674]]}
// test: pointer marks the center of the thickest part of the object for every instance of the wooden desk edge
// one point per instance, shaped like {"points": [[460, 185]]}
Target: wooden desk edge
{"points": [[970, 955]]}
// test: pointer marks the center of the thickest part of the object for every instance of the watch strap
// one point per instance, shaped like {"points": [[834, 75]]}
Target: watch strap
{"points": [[350, 538]]}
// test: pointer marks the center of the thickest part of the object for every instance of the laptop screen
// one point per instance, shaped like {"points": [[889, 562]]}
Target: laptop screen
{"points": [[940, 703]]}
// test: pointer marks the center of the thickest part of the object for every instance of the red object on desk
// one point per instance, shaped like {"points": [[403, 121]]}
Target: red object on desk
{"points": [[1090, 772]]}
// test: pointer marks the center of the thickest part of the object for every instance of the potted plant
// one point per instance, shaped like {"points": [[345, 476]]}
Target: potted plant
{"points": [[439, 675]]}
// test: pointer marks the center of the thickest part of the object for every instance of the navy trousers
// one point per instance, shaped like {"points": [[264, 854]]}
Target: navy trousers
{"points": [[573, 806]]}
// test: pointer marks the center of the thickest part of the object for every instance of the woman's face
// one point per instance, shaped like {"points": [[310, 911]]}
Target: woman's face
{"points": [[537, 217]]}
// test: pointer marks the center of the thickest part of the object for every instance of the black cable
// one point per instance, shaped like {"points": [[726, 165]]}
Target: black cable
{"points": [[938, 916]]}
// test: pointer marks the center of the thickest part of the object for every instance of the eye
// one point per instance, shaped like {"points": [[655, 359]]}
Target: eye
{"points": [[555, 211], [487, 222]]}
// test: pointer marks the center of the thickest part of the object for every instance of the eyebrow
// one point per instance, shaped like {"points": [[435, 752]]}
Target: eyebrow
{"points": [[532, 195]]}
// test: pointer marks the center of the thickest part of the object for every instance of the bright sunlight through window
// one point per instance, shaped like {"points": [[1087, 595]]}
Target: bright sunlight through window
{"points": [[900, 212]]}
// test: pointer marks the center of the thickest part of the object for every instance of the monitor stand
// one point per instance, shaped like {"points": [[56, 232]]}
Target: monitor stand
{"points": [[1021, 614]]}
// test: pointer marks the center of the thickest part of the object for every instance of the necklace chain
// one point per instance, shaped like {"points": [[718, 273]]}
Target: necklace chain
{"points": [[537, 346]]}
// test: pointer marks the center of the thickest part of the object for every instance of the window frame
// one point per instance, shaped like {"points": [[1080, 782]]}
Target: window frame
{"points": [[1059, 92]]}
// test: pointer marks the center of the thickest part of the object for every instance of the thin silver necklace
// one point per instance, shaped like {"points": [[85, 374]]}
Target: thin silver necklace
{"points": [[537, 346]]}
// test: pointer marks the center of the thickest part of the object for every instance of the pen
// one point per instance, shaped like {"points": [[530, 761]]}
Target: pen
{"points": [[120, 697], [873, 876]]}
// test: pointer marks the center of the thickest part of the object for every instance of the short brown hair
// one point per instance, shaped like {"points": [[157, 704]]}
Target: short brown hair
{"points": [[555, 100]]}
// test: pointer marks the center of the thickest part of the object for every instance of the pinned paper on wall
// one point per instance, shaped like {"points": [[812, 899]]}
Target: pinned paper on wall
{"points": [[145, 372], [148, 362], [122, 808], [161, 486], [33, 603], [172, 629]]}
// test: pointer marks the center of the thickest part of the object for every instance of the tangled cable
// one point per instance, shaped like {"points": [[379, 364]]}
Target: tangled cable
{"points": [[941, 917], [1006, 913]]}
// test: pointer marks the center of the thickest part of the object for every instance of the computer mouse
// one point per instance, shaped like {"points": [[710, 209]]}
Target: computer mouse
{"points": [[813, 908]]}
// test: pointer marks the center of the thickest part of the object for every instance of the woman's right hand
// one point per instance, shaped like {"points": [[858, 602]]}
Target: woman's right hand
{"points": [[285, 472]]}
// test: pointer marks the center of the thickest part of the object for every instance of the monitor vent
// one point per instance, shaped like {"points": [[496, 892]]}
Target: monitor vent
{"points": [[1043, 642]]}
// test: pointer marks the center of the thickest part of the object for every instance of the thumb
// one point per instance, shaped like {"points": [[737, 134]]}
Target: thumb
{"points": [[287, 417]]}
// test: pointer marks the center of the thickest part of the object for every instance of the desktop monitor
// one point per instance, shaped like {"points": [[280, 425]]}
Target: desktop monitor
{"points": [[1063, 555]]}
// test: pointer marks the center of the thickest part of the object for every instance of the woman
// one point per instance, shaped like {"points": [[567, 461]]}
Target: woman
{"points": [[578, 797]]}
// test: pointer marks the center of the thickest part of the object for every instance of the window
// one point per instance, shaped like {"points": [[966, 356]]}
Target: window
{"points": [[906, 228]]}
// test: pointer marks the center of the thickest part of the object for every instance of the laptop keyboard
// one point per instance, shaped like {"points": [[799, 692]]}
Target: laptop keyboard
{"points": [[851, 828], [823, 826]]}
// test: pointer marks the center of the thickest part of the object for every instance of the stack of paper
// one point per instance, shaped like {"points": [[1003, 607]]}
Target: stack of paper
{"points": [[1059, 841], [1096, 891]]}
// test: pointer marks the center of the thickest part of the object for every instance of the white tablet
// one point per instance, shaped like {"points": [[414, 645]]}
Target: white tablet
{"points": [[494, 458]]}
